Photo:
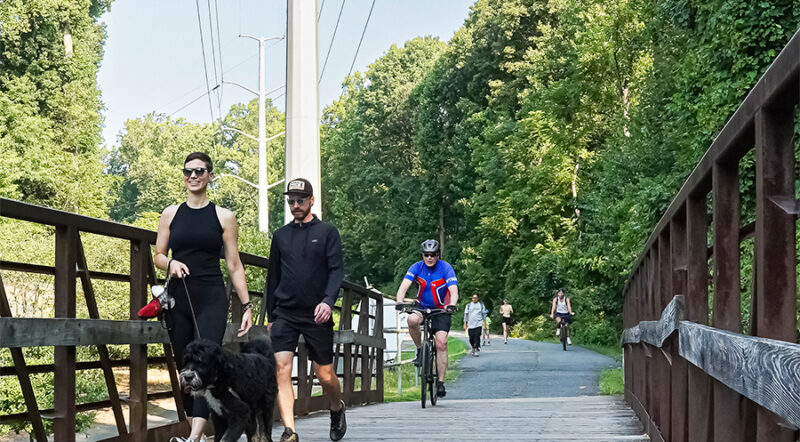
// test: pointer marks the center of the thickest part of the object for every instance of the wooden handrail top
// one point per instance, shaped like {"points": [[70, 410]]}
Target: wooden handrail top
{"points": [[766, 371]]}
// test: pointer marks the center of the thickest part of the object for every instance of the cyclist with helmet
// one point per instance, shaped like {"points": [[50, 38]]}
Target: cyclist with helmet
{"points": [[438, 288]]}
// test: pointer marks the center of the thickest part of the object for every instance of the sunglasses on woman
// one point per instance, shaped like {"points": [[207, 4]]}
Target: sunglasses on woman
{"points": [[198, 171]]}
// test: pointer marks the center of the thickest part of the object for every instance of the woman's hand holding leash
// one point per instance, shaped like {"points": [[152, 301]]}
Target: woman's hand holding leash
{"points": [[177, 268]]}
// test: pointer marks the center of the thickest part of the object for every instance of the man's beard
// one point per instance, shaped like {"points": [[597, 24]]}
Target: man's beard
{"points": [[300, 214]]}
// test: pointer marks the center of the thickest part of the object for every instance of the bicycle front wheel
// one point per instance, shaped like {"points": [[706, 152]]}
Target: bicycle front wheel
{"points": [[434, 375], [564, 334], [424, 372]]}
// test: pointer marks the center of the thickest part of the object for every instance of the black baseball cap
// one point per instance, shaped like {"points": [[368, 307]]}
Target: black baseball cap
{"points": [[299, 186]]}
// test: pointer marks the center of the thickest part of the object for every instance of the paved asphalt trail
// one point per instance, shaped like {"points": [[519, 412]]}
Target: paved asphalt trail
{"points": [[527, 369]]}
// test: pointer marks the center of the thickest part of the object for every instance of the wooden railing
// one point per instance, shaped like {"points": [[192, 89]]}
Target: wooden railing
{"points": [[358, 353], [689, 381]]}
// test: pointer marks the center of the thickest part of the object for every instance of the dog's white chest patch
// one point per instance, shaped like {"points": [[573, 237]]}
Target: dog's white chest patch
{"points": [[213, 402]]}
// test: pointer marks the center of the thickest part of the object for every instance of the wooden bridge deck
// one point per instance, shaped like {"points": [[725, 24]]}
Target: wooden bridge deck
{"points": [[582, 418]]}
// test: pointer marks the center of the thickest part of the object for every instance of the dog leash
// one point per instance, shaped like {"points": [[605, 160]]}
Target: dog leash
{"points": [[191, 307]]}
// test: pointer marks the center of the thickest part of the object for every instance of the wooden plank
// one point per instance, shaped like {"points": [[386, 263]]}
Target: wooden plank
{"points": [[764, 370], [64, 355], [157, 434], [656, 332], [48, 332]]}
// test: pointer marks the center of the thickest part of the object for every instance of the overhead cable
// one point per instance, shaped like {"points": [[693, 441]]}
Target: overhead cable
{"points": [[213, 53], [364, 31], [205, 67], [206, 93], [333, 37], [320, 10], [221, 66]]}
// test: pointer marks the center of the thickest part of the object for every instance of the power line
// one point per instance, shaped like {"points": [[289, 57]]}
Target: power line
{"points": [[320, 10], [333, 37], [361, 39], [221, 66], [213, 50], [206, 93], [205, 67]]}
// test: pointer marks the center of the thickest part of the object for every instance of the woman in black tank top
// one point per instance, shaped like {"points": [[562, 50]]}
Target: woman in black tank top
{"points": [[198, 232]]}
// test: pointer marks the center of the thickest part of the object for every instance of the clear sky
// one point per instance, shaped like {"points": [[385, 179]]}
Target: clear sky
{"points": [[153, 56]]}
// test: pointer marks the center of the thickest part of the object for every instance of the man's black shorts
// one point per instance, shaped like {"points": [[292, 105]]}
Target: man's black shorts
{"points": [[288, 326], [506, 320], [440, 322]]}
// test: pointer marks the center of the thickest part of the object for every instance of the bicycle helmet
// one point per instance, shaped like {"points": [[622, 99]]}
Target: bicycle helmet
{"points": [[430, 246]]}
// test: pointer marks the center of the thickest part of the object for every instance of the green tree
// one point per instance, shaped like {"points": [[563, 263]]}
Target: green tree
{"points": [[50, 109]]}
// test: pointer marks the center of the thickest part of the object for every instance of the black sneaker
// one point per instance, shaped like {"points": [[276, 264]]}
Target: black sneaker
{"points": [[338, 423], [289, 436], [440, 391], [418, 359]]}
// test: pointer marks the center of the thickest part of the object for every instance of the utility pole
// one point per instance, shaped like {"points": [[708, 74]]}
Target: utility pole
{"points": [[302, 98], [263, 186]]}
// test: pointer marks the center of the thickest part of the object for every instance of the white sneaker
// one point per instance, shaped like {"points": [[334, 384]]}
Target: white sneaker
{"points": [[569, 341], [558, 331]]}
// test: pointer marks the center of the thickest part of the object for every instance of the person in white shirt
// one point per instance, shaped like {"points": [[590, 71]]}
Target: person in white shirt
{"points": [[474, 320]]}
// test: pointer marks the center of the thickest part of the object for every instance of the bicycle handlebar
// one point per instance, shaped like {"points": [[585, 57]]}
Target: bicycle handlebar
{"points": [[415, 307]]}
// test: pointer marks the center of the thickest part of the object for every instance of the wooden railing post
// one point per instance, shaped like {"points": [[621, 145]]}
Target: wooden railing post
{"points": [[378, 332], [345, 323], [65, 306], [663, 298], [679, 392], [649, 308], [363, 328], [303, 379], [729, 406], [140, 249], [700, 425], [775, 247]]}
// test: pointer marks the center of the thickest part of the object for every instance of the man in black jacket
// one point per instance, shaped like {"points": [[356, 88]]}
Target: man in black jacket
{"points": [[303, 280]]}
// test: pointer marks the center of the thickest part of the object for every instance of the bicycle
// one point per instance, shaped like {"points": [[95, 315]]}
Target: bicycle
{"points": [[429, 371], [564, 327]]}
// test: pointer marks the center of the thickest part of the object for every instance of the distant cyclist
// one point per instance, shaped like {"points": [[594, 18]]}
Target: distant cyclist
{"points": [[438, 288], [506, 310], [563, 312]]}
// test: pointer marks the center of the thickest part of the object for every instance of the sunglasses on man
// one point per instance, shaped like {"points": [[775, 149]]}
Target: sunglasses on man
{"points": [[197, 171], [298, 201], [430, 255]]}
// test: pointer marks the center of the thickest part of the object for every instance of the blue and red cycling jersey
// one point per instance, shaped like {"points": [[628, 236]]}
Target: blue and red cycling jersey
{"points": [[433, 283]]}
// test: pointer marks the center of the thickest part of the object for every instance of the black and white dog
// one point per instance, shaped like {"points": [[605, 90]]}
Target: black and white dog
{"points": [[239, 387]]}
